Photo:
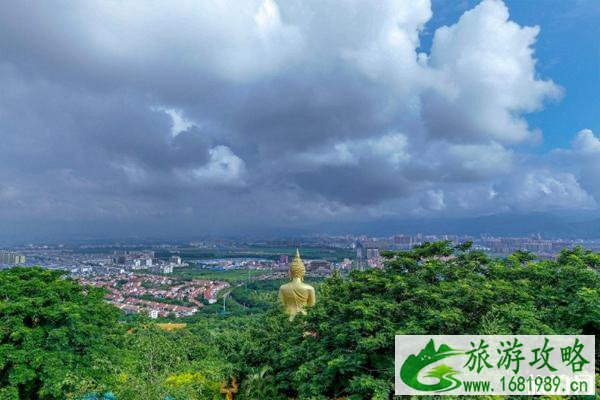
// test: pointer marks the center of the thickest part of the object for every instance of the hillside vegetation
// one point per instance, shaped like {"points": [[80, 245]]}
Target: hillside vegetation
{"points": [[59, 340]]}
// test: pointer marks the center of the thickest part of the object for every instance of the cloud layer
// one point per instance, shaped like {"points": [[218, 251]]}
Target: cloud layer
{"points": [[274, 113]]}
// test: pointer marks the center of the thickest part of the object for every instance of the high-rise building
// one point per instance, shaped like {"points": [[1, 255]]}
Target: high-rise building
{"points": [[361, 259], [372, 252], [176, 260], [284, 259], [9, 258], [162, 269], [360, 251], [403, 240]]}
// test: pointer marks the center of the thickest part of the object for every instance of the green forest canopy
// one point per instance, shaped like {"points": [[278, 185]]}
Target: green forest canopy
{"points": [[60, 340]]}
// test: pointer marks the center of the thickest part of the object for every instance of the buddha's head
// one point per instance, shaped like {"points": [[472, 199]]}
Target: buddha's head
{"points": [[297, 269]]}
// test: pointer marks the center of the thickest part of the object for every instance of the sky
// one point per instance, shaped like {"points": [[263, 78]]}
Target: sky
{"points": [[209, 117]]}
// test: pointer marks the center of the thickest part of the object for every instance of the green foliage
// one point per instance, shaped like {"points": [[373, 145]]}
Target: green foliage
{"points": [[345, 346], [56, 337], [260, 296], [181, 364], [255, 299]]}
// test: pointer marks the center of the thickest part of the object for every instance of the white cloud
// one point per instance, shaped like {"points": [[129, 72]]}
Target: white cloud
{"points": [[134, 172], [586, 143], [546, 189], [328, 103], [433, 200], [179, 122], [585, 156], [391, 148], [441, 161], [183, 40], [223, 169], [267, 18], [486, 78], [391, 57], [481, 160]]}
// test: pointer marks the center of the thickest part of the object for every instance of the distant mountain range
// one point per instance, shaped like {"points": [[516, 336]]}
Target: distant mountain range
{"points": [[566, 224], [550, 225]]}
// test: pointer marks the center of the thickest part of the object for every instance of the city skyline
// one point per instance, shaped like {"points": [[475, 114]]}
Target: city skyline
{"points": [[118, 120]]}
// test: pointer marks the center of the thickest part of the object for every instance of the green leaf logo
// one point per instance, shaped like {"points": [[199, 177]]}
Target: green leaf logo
{"points": [[413, 365]]}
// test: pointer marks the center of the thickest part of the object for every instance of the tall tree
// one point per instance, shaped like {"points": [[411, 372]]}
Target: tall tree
{"points": [[56, 337]]}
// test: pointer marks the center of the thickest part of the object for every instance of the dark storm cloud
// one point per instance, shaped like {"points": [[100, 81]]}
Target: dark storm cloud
{"points": [[274, 113], [354, 185]]}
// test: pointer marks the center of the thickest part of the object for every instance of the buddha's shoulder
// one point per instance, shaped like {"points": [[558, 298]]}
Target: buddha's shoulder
{"points": [[295, 286], [308, 287]]}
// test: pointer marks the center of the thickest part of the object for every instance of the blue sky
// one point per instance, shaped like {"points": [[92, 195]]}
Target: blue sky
{"points": [[568, 52]]}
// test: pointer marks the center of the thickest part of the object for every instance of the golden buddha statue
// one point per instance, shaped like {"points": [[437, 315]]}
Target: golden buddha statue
{"points": [[296, 295]]}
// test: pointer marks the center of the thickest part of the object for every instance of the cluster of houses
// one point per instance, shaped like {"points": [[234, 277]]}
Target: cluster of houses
{"points": [[155, 295]]}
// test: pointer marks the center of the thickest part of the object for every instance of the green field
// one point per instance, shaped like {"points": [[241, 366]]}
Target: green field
{"points": [[245, 299], [271, 253], [232, 276]]}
